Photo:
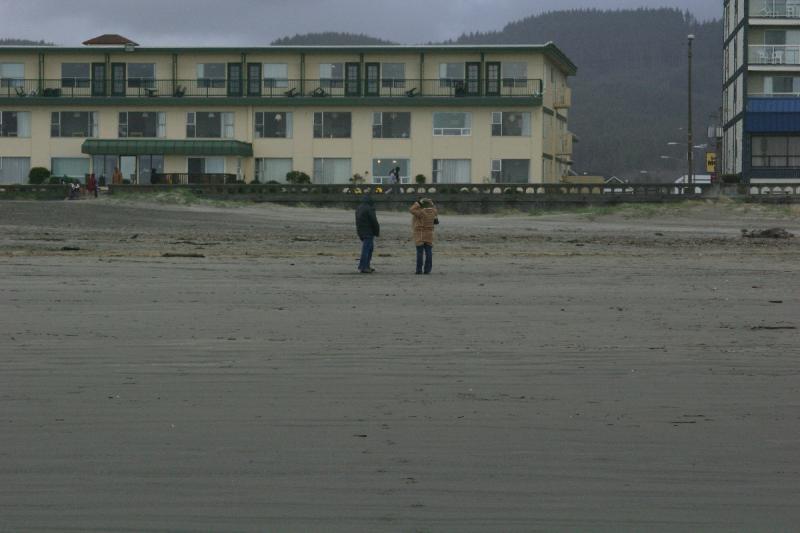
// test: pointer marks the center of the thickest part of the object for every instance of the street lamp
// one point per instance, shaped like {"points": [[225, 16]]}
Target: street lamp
{"points": [[690, 176]]}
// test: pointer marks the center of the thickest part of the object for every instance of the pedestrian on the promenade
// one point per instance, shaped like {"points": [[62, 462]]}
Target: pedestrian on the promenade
{"points": [[368, 229], [91, 185], [424, 217]]}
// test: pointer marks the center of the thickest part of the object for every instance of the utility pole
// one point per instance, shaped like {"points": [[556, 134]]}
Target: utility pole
{"points": [[690, 142]]}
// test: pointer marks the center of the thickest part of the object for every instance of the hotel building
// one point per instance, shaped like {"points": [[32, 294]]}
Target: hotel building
{"points": [[761, 91], [455, 114]]}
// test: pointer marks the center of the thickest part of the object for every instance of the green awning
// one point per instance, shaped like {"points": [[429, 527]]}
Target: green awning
{"points": [[164, 147]]}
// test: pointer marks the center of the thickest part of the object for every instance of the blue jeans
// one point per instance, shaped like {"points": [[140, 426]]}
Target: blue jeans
{"points": [[367, 245], [428, 249]]}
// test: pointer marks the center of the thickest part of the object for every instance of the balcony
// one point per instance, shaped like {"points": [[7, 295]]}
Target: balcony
{"points": [[775, 9], [297, 91], [565, 146], [774, 54], [562, 99]]}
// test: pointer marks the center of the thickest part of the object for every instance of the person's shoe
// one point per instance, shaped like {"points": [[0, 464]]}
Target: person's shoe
{"points": [[366, 271]]}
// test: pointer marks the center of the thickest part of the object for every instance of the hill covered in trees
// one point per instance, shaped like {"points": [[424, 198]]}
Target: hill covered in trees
{"points": [[23, 42], [630, 94], [329, 38]]}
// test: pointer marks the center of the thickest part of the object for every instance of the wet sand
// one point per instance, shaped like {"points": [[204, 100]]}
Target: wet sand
{"points": [[625, 371]]}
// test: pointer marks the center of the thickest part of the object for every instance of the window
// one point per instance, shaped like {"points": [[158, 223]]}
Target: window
{"points": [[148, 164], [452, 123], [205, 165], [331, 170], [393, 75], [331, 125], [210, 125], [12, 74], [73, 124], [391, 125], [276, 75], [515, 74], [142, 124], [452, 171], [780, 152], [331, 75], [15, 124], [141, 74], [211, 75], [510, 170], [511, 124], [781, 85], [74, 74], [272, 125], [382, 167], [273, 169], [103, 166], [71, 167], [451, 74], [14, 170]]}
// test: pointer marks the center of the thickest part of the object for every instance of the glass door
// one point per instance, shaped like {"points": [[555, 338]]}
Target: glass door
{"points": [[352, 79], [118, 79], [127, 166], [98, 79], [234, 79], [254, 79], [473, 81], [372, 86], [493, 79]]}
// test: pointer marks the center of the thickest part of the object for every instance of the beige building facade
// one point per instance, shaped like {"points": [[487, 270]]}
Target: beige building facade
{"points": [[455, 114]]}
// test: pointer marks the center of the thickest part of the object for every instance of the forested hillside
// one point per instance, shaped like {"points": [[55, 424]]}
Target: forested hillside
{"points": [[328, 38], [630, 94], [23, 42]]}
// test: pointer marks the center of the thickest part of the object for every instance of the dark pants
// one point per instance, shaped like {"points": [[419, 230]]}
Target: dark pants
{"points": [[367, 245], [428, 249]]}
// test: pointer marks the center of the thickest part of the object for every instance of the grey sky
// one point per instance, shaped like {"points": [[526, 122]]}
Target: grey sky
{"points": [[254, 22]]}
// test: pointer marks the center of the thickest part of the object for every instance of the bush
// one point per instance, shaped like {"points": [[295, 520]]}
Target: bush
{"points": [[297, 177], [421, 179], [38, 175]]}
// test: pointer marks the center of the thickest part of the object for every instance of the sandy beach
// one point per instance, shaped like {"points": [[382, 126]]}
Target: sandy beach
{"points": [[225, 368]]}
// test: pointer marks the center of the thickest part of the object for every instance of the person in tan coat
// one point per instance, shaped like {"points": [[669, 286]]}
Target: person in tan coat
{"points": [[424, 217]]}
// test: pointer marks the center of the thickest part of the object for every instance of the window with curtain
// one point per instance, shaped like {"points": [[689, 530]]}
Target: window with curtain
{"points": [[15, 124], [452, 171], [775, 151], [142, 124], [14, 170], [273, 125], [211, 75], [12, 74], [75, 74], [209, 125], [73, 124], [332, 125], [332, 170], [205, 165], [391, 125], [393, 75], [514, 74], [511, 124], [510, 170], [276, 75], [141, 74], [273, 169], [452, 124], [103, 166], [382, 166], [71, 167], [451, 74], [331, 75]]}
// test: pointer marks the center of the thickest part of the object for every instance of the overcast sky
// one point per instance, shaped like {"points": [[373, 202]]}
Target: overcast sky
{"points": [[258, 22]]}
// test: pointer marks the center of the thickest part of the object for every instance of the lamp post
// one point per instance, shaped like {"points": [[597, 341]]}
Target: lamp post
{"points": [[689, 143]]}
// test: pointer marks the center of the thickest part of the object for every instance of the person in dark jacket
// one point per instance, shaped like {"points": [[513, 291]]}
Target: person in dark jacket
{"points": [[367, 228]]}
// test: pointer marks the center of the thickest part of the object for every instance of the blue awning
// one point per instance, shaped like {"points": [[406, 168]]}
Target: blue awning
{"points": [[772, 115]]}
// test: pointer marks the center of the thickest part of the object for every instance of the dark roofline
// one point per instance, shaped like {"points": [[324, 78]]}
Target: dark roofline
{"points": [[549, 49]]}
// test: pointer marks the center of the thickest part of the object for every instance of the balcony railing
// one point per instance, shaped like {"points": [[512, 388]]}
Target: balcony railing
{"points": [[309, 88], [775, 8], [774, 54]]}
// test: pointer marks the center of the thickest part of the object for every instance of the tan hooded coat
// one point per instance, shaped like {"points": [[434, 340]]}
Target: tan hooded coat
{"points": [[422, 223]]}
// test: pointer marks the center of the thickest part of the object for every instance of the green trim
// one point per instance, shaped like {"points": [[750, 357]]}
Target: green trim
{"points": [[548, 111], [547, 156], [165, 147], [359, 101]]}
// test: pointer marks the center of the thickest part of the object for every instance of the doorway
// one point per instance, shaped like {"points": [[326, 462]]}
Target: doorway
{"points": [[127, 166]]}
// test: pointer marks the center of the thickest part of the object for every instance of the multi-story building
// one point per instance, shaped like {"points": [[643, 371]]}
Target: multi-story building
{"points": [[761, 92], [456, 114]]}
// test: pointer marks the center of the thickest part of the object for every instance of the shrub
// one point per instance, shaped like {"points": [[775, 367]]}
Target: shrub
{"points": [[421, 179], [38, 175], [297, 177], [357, 178]]}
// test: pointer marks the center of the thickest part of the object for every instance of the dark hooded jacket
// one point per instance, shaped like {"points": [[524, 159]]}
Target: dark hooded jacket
{"points": [[366, 220]]}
